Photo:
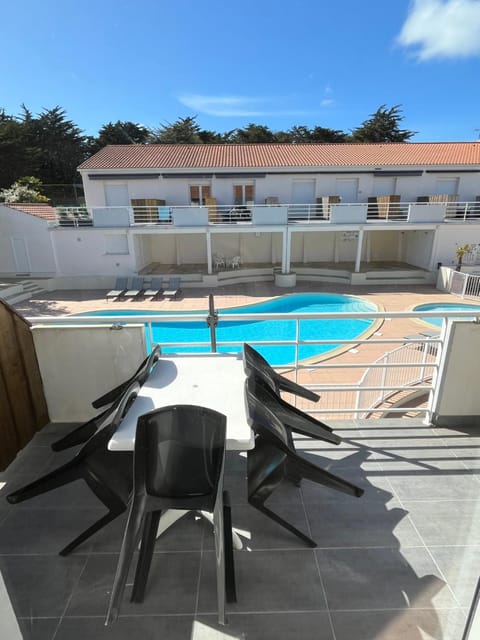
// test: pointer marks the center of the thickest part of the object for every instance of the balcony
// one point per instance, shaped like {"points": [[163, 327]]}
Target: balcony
{"points": [[256, 215], [400, 562]]}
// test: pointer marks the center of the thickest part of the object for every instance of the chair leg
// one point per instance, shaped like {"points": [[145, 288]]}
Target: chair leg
{"points": [[219, 534], [230, 587], [111, 515], [129, 544], [149, 537], [282, 522], [53, 480]]}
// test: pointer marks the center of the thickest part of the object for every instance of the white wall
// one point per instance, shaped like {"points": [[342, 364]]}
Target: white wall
{"points": [[450, 236], [80, 363], [175, 191], [82, 251], [455, 402], [36, 235]]}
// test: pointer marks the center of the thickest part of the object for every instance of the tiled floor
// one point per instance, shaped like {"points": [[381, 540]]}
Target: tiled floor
{"points": [[400, 563]]}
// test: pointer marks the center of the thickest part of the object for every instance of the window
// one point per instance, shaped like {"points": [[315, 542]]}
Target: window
{"points": [[199, 193], [243, 194]]}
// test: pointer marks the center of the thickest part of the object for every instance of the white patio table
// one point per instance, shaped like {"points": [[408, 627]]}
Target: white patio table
{"points": [[213, 380]]}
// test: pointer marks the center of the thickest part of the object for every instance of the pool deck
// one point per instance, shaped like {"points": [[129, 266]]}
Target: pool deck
{"points": [[65, 302]]}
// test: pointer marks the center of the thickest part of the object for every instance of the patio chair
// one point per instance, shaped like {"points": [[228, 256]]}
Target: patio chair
{"points": [[155, 288], [253, 361], [121, 285], [178, 464], [108, 474], [173, 288], [292, 418], [136, 289], [273, 460], [86, 430]]}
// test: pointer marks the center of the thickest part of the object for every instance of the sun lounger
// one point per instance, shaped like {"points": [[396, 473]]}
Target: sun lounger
{"points": [[173, 288], [121, 285], [155, 288], [136, 289]]}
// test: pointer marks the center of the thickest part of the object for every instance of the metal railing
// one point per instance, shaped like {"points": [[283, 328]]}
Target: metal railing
{"points": [[351, 380], [168, 216], [464, 285]]}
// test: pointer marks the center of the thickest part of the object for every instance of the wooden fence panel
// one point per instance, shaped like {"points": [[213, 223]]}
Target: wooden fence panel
{"points": [[23, 409]]}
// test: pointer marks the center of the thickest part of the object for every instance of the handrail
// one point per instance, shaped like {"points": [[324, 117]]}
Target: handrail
{"points": [[338, 397]]}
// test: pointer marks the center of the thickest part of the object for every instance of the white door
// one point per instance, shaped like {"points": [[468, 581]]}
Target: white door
{"points": [[20, 255], [347, 189], [116, 195], [303, 192], [384, 186]]}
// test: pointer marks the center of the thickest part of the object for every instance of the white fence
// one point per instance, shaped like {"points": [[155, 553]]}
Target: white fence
{"points": [[465, 285]]}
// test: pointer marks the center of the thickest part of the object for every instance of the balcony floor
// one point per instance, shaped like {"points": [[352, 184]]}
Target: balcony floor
{"points": [[400, 563]]}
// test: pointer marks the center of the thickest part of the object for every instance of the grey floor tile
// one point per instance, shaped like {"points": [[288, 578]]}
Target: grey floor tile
{"points": [[460, 566], [45, 531], [72, 495], [127, 628], [411, 624], [257, 531], [171, 588], [382, 578], [361, 523], [441, 485], [40, 585], [267, 581], [38, 628], [265, 626], [445, 522]]}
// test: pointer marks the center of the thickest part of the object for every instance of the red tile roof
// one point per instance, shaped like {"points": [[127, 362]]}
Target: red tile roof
{"points": [[37, 209], [216, 156]]}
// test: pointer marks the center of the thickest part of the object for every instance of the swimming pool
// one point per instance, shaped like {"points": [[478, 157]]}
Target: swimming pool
{"points": [[447, 306], [254, 331]]}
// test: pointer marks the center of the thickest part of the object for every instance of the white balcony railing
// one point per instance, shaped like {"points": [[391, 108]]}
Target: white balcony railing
{"points": [[176, 216], [352, 381]]}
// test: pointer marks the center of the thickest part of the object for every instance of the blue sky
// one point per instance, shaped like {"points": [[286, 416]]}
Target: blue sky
{"points": [[329, 63]]}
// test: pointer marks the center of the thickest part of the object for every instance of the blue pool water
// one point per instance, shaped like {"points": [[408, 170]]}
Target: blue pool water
{"points": [[445, 307], [253, 331]]}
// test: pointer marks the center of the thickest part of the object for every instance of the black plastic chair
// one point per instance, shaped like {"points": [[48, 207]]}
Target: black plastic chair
{"points": [[86, 430], [273, 459], [178, 464], [254, 362], [292, 418], [108, 474]]}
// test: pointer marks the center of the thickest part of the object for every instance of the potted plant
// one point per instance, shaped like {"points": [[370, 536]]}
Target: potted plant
{"points": [[460, 253]]}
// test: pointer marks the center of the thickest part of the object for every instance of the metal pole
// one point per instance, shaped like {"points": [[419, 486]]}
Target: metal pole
{"points": [[212, 321]]}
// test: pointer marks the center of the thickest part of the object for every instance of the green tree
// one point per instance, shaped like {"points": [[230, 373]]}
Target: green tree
{"points": [[250, 134], [26, 189], [17, 156], [383, 126], [60, 144], [122, 133], [182, 131]]}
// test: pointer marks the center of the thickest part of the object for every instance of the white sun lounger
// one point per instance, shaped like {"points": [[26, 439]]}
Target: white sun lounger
{"points": [[173, 288], [121, 285], [155, 288], [136, 289]]}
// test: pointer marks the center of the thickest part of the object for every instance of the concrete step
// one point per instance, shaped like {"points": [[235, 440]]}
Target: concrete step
{"points": [[20, 291]]}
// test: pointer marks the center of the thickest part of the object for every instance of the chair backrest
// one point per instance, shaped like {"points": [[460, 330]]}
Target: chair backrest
{"points": [[137, 283], [265, 423], [174, 283], [112, 419], [253, 362], [179, 451], [121, 284], [156, 283]]}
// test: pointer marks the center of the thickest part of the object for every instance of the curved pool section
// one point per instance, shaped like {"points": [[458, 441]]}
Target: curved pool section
{"points": [[447, 306], [258, 331]]}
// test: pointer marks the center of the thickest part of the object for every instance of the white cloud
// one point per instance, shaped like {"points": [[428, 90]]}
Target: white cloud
{"points": [[226, 106], [443, 28]]}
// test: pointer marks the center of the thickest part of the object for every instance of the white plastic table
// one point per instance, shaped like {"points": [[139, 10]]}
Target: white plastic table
{"points": [[213, 380]]}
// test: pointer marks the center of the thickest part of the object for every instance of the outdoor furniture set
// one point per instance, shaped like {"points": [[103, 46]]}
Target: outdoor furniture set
{"points": [[159, 449]]}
